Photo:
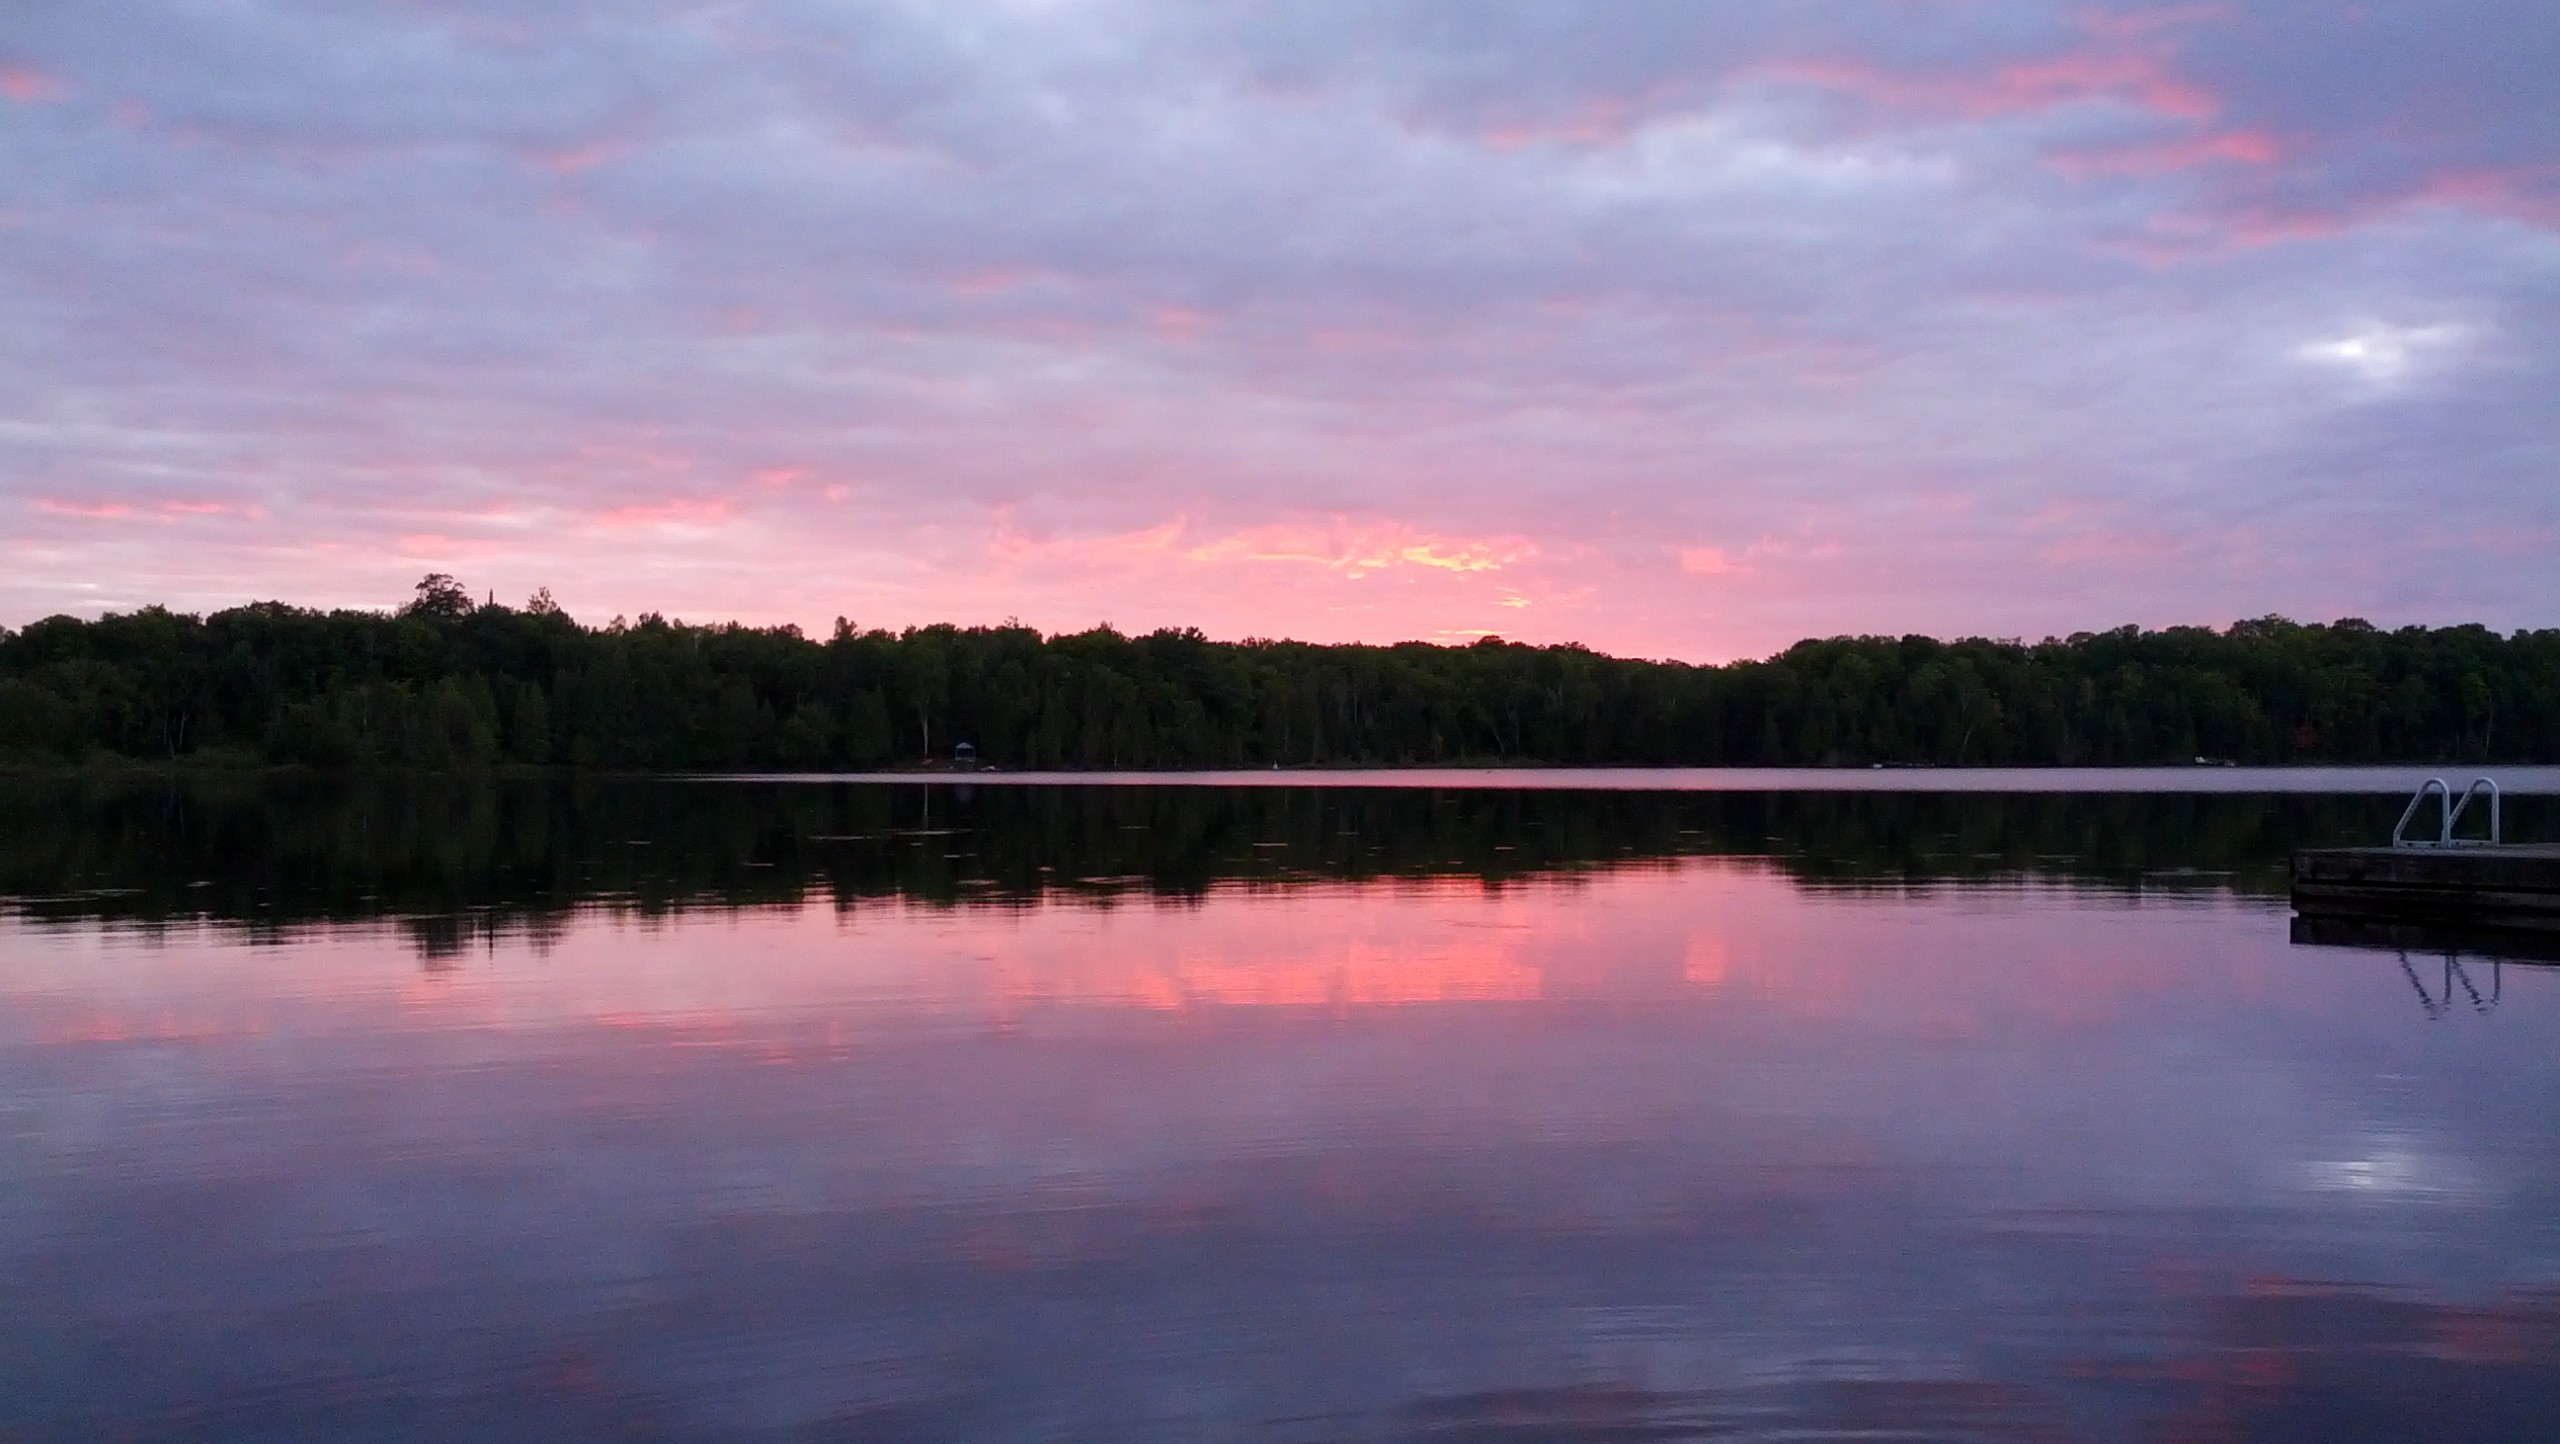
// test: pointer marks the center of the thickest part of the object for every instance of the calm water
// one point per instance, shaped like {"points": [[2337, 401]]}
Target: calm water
{"points": [[724, 1112]]}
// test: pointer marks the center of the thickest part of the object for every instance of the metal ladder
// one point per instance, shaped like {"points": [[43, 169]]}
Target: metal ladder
{"points": [[2453, 810]]}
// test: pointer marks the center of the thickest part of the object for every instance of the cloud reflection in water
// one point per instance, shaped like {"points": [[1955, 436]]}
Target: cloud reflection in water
{"points": [[1671, 1150]]}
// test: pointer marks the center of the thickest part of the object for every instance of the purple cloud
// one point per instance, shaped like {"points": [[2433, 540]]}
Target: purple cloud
{"points": [[1675, 329]]}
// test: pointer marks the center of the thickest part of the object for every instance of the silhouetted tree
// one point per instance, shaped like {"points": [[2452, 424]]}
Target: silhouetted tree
{"points": [[439, 596]]}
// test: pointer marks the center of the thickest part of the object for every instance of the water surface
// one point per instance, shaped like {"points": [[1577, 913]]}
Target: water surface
{"points": [[625, 1111], [2204, 777]]}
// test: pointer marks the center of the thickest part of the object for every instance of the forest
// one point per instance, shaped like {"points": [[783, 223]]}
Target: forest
{"points": [[448, 683]]}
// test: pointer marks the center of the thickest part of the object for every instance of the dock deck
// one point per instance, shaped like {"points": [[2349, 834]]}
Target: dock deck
{"points": [[2507, 887]]}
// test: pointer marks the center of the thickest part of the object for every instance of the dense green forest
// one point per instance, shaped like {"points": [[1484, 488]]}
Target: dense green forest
{"points": [[446, 683]]}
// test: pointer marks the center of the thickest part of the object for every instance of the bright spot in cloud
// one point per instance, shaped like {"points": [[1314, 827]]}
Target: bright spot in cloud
{"points": [[1365, 549], [2381, 352]]}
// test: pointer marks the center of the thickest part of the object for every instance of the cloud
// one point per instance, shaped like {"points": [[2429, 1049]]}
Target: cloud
{"points": [[926, 312], [2382, 353], [1356, 550], [1709, 562], [28, 86]]}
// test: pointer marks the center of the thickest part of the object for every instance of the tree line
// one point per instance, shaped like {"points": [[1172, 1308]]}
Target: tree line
{"points": [[446, 683]]}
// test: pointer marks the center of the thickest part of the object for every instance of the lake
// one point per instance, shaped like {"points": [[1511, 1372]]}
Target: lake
{"points": [[1484, 1114]]}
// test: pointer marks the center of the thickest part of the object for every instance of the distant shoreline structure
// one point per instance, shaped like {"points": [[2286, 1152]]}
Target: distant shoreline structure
{"points": [[2391, 780], [2377, 780], [2312, 779]]}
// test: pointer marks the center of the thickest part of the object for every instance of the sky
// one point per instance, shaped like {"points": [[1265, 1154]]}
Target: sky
{"points": [[1675, 329]]}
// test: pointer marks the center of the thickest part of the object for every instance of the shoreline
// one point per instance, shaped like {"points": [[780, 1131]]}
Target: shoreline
{"points": [[2377, 779]]}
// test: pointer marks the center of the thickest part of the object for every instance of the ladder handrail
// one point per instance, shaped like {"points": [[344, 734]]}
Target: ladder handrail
{"points": [[2455, 815], [2453, 810], [2436, 786]]}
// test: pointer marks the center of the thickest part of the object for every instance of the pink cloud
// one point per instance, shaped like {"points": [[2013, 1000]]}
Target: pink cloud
{"points": [[571, 160], [162, 511], [2021, 88], [1352, 549], [2239, 217], [1356, 549], [1342, 579], [395, 259], [1384, 382], [93, 510], [2247, 147], [2071, 78], [2101, 546], [29, 86], [995, 280], [2528, 193], [678, 511], [1012, 546], [2132, 25], [1179, 323], [1366, 340], [1593, 120], [1513, 121]]}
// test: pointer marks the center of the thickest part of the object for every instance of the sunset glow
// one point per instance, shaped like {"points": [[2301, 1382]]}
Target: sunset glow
{"points": [[1676, 330]]}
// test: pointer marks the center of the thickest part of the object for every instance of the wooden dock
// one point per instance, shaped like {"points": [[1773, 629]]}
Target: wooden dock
{"points": [[2508, 888]]}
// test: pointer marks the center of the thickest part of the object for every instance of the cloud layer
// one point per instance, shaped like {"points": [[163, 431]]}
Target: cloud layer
{"points": [[1676, 329]]}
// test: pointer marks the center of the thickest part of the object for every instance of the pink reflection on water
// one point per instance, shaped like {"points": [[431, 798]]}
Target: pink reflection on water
{"points": [[1707, 933], [1682, 1143]]}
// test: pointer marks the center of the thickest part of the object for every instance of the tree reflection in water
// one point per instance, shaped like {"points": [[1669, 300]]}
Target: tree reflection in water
{"points": [[460, 861]]}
